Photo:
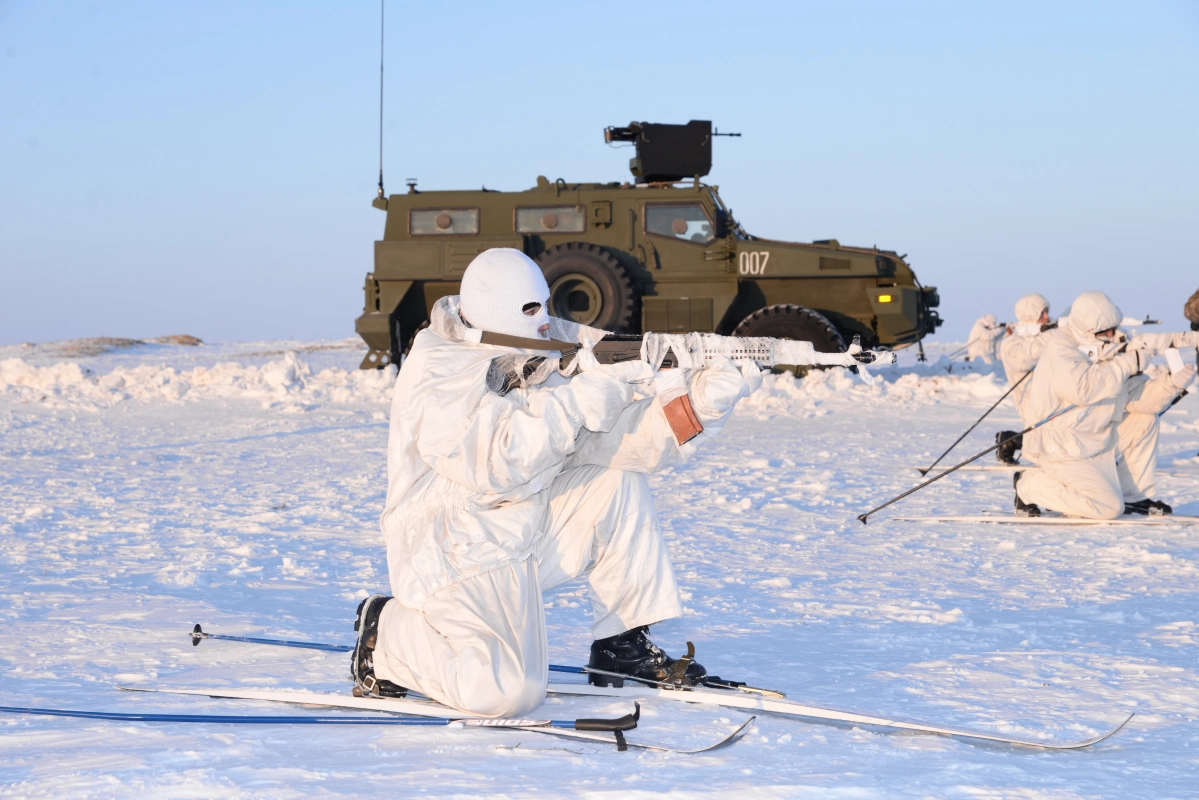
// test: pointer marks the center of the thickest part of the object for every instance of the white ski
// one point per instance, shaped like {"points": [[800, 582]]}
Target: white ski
{"points": [[428, 708], [980, 468], [1012, 519], [792, 708], [1009, 468]]}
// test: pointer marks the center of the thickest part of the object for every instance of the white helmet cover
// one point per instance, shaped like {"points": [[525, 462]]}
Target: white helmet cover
{"points": [[1029, 308], [496, 286], [1092, 312]]}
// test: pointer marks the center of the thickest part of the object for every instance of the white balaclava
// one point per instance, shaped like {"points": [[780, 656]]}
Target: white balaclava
{"points": [[496, 286], [988, 320], [1093, 312], [1029, 308]]}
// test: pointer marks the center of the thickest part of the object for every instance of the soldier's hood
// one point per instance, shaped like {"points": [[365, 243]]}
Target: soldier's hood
{"points": [[1092, 312], [498, 287], [1030, 306]]}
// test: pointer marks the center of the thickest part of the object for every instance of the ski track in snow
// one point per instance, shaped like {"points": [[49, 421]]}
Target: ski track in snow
{"points": [[239, 486]]}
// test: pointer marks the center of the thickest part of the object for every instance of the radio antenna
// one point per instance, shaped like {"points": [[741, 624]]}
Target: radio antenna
{"points": [[381, 29]]}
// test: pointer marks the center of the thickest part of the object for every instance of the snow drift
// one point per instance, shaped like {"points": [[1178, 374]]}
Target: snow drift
{"points": [[292, 385]]}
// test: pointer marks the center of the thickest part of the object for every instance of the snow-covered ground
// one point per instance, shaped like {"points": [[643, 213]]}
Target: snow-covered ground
{"points": [[153, 486]]}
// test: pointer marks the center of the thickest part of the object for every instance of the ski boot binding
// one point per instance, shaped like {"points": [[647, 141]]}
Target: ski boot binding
{"points": [[1152, 508], [632, 656], [362, 668]]}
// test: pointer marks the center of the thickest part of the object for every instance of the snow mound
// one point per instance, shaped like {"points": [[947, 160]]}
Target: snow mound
{"points": [[819, 390], [293, 386], [288, 383]]}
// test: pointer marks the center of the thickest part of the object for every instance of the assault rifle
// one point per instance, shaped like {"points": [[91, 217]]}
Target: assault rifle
{"points": [[694, 350], [1147, 342], [1163, 341]]}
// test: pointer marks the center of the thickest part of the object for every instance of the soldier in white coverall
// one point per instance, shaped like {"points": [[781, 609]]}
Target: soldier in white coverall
{"points": [[981, 343], [507, 478], [1085, 364], [1019, 352]]}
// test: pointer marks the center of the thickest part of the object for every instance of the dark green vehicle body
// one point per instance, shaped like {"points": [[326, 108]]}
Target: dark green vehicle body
{"points": [[663, 256]]}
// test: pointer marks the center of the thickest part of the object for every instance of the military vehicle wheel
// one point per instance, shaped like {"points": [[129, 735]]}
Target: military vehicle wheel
{"points": [[589, 286], [786, 321]]}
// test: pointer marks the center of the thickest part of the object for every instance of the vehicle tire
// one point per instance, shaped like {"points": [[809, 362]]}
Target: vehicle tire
{"points": [[589, 286], [787, 321]]}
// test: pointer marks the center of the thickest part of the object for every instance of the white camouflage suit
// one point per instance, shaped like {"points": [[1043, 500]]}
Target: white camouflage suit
{"points": [[494, 499], [1100, 455], [1021, 351], [981, 342]]}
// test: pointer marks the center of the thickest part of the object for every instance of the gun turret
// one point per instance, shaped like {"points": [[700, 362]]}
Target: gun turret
{"points": [[667, 153]]}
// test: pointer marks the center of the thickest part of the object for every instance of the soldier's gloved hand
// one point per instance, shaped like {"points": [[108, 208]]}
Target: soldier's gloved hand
{"points": [[671, 383], [596, 397], [752, 374], [1183, 377], [718, 387], [1135, 360]]}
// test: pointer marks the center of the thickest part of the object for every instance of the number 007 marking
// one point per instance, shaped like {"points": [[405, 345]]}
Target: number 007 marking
{"points": [[753, 263]]}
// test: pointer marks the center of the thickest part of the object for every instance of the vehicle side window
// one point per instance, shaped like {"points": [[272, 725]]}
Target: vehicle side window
{"points": [[443, 221], [688, 223], [556, 219]]}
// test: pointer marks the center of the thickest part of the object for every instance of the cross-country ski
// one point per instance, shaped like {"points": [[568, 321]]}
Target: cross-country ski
{"points": [[1011, 519], [1005, 468], [307, 719], [791, 708], [642, 400], [582, 729], [732, 696]]}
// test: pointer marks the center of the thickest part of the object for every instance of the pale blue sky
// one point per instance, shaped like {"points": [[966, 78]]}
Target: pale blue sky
{"points": [[207, 168]]}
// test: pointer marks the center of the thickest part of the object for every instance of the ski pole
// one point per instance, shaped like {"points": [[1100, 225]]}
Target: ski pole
{"points": [[713, 681], [924, 472], [1174, 402], [198, 635], [626, 723], [1055, 415]]}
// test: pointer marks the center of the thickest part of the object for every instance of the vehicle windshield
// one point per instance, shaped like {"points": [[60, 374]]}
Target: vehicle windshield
{"points": [[716, 198]]}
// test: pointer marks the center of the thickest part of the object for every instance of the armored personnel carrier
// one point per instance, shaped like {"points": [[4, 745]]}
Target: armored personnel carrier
{"points": [[659, 253]]}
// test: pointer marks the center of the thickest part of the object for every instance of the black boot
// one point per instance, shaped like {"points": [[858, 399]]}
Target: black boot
{"points": [[1153, 508], [1023, 509], [632, 653], [362, 668], [1007, 451]]}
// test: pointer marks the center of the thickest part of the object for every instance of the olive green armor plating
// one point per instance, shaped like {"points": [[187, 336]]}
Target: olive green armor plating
{"points": [[660, 255]]}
